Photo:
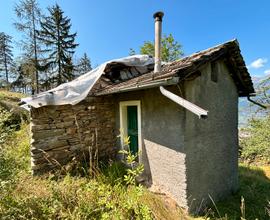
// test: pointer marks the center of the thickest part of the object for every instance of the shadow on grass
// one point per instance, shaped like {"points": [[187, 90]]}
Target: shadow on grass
{"points": [[254, 187]]}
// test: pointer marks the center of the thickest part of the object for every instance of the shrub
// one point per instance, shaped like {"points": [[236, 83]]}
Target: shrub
{"points": [[256, 145]]}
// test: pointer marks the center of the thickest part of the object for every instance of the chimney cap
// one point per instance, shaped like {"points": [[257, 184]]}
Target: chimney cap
{"points": [[158, 15]]}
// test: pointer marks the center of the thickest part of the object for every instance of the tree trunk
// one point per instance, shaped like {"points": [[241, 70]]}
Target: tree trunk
{"points": [[58, 53], [6, 68], [35, 50]]}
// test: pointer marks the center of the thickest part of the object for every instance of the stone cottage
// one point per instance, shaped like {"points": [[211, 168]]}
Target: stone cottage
{"points": [[187, 156]]}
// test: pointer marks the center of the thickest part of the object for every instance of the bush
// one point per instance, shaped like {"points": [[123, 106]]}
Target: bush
{"points": [[256, 145]]}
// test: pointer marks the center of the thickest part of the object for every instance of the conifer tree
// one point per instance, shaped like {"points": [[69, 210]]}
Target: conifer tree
{"points": [[84, 65], [60, 43], [29, 14], [6, 56]]}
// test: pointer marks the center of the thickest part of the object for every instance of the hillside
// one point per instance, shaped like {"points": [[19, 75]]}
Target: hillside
{"points": [[248, 109]]}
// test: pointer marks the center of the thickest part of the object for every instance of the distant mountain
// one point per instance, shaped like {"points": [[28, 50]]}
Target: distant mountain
{"points": [[247, 110]]}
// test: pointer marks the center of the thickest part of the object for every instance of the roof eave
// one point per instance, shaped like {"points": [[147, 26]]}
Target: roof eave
{"points": [[139, 86]]}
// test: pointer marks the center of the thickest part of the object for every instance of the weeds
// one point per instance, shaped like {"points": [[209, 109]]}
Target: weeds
{"points": [[105, 196], [111, 193], [252, 199]]}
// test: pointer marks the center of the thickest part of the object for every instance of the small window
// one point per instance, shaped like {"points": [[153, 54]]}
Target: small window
{"points": [[214, 72]]}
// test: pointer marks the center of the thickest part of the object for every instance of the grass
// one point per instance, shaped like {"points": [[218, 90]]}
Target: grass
{"points": [[106, 196], [254, 189], [26, 197], [71, 197], [11, 115], [12, 97]]}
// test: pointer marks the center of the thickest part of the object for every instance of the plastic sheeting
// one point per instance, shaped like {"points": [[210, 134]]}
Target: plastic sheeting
{"points": [[75, 91]]}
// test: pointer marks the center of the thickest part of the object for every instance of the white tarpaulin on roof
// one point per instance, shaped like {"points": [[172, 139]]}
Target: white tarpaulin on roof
{"points": [[75, 91]]}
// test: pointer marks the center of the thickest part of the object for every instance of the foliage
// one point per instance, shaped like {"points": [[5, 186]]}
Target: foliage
{"points": [[252, 199], [14, 154], [4, 130], [134, 169], [29, 14], [25, 78], [11, 116], [107, 196], [27, 197], [47, 46], [60, 44], [263, 92], [6, 56], [84, 65], [170, 49], [131, 52], [256, 145]]}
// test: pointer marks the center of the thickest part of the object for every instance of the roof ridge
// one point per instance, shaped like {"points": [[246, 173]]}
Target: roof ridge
{"points": [[189, 64], [234, 40]]}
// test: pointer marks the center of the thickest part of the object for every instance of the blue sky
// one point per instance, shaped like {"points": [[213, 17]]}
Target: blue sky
{"points": [[107, 29]]}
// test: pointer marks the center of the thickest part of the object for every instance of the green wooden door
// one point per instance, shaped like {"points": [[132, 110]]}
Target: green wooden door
{"points": [[132, 125]]}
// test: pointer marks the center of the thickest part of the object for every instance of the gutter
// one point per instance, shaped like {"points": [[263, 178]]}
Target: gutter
{"points": [[256, 103], [184, 103], [157, 83]]}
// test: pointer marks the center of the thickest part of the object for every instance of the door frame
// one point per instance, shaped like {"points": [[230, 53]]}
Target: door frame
{"points": [[123, 120]]}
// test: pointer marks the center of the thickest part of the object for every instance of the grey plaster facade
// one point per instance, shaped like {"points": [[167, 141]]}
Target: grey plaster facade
{"points": [[188, 157]]}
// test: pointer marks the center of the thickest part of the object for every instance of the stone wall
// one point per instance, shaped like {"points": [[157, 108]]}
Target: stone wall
{"points": [[60, 133]]}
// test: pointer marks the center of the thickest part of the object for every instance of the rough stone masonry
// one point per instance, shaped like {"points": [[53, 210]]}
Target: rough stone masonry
{"points": [[60, 133]]}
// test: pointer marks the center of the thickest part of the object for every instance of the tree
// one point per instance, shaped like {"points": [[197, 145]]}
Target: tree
{"points": [[6, 56], [255, 146], [20, 83], [131, 52], [170, 49], [84, 65], [68, 68], [60, 43], [29, 14], [263, 91], [262, 88]]}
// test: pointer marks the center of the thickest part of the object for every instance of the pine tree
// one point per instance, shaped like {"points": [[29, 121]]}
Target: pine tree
{"points": [[29, 14], [68, 68], [84, 65], [60, 43], [6, 56], [131, 52]]}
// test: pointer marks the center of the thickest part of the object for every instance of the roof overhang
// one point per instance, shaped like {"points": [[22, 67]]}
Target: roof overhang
{"points": [[140, 86], [188, 67]]}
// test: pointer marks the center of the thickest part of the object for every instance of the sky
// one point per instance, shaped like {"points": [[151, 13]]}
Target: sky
{"points": [[108, 29]]}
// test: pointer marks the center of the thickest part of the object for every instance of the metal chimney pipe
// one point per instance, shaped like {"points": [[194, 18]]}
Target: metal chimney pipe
{"points": [[158, 30]]}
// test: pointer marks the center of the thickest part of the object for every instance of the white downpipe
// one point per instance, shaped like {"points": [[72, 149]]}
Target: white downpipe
{"points": [[186, 104]]}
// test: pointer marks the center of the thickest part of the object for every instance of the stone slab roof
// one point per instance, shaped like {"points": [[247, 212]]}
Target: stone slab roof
{"points": [[184, 68]]}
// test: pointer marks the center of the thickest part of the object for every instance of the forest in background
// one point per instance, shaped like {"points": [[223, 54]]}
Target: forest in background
{"points": [[46, 50]]}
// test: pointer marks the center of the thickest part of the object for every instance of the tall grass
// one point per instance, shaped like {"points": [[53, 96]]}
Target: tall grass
{"points": [[252, 199], [106, 196]]}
